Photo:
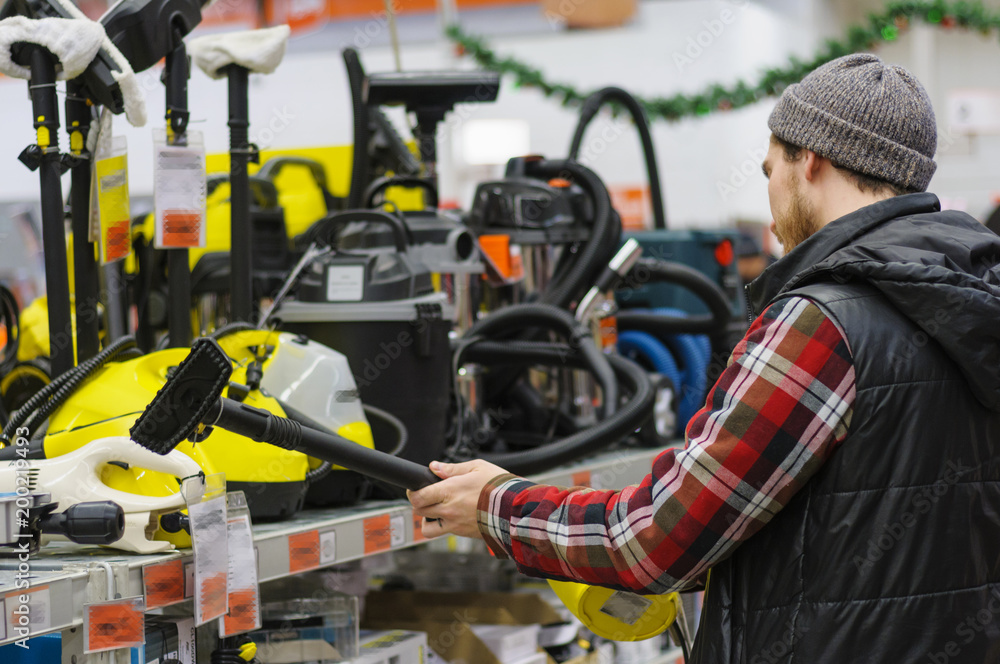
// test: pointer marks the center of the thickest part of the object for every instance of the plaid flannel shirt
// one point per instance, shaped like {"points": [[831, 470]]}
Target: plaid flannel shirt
{"points": [[775, 415]]}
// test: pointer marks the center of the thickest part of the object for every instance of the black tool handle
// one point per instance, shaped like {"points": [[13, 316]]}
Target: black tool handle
{"points": [[88, 523], [265, 427]]}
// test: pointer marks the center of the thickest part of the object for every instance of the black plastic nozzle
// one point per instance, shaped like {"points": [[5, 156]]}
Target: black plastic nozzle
{"points": [[185, 400], [87, 523], [175, 522]]}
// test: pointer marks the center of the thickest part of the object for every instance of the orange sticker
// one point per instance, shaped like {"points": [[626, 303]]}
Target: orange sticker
{"points": [[378, 534], [243, 609], [303, 551], [118, 624], [163, 583], [581, 478], [181, 228], [212, 596], [117, 241], [418, 524]]}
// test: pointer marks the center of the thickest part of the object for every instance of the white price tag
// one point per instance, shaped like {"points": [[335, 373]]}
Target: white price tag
{"points": [[179, 191], [210, 541], [243, 614], [397, 531], [186, 645], [327, 547], [345, 283], [29, 609]]}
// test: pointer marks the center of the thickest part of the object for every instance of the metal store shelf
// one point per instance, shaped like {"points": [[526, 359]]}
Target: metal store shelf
{"points": [[63, 577]]}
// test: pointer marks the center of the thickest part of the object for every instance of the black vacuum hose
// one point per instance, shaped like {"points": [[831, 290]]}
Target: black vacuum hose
{"points": [[603, 235], [588, 112], [324, 468], [46, 400], [588, 441], [715, 325], [360, 163], [403, 435], [518, 317]]}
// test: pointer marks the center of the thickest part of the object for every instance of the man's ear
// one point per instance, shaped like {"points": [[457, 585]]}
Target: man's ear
{"points": [[811, 164]]}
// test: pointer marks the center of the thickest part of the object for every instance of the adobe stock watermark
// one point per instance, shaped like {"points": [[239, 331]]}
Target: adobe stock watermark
{"points": [[713, 29], [741, 174], [967, 630], [778, 649], [378, 21], [920, 503], [280, 120]]}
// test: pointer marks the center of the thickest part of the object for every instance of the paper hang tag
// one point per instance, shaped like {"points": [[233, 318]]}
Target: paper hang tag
{"points": [[114, 212], [179, 191], [210, 542], [244, 594], [99, 144], [116, 624]]}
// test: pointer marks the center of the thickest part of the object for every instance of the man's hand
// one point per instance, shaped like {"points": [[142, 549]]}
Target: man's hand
{"points": [[453, 501]]}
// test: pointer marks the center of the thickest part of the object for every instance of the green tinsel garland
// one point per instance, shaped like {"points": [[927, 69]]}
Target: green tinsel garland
{"points": [[879, 28]]}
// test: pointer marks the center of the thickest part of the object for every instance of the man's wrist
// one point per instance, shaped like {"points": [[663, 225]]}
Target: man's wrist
{"points": [[494, 511]]}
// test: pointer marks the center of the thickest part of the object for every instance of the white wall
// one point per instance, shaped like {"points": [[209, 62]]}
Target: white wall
{"points": [[306, 101]]}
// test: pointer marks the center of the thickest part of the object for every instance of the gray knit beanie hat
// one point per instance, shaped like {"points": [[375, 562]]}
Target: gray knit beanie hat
{"points": [[865, 115]]}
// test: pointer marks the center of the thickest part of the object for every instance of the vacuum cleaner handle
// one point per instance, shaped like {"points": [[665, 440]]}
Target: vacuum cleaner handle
{"points": [[324, 229], [191, 398], [407, 181], [266, 427]]}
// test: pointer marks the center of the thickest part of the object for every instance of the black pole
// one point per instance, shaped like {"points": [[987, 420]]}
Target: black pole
{"points": [[46, 113], [241, 237], [178, 270], [84, 263], [114, 297]]}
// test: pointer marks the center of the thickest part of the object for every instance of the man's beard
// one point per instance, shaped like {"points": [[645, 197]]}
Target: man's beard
{"points": [[798, 221]]}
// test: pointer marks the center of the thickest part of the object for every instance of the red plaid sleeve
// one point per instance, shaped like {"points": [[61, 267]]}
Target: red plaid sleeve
{"points": [[774, 416]]}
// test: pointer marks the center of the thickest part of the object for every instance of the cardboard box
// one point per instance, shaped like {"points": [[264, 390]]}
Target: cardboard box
{"points": [[590, 13], [510, 643], [447, 618], [392, 647]]}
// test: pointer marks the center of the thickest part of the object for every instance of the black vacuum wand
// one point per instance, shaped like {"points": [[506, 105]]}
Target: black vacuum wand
{"points": [[44, 156], [190, 404]]}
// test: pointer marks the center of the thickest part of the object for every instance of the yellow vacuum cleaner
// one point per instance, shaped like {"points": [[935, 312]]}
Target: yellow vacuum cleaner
{"points": [[190, 405], [107, 401]]}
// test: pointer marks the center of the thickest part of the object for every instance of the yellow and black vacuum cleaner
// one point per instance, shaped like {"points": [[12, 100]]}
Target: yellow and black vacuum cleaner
{"points": [[104, 397], [190, 405]]}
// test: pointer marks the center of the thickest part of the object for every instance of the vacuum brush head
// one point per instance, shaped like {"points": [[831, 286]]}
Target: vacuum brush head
{"points": [[188, 396]]}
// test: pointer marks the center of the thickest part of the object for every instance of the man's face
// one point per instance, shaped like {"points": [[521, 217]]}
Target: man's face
{"points": [[793, 213]]}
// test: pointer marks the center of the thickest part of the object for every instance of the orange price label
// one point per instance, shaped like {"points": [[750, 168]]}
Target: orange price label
{"points": [[212, 596], [163, 583], [581, 478], [117, 241], [181, 228], [378, 534], [242, 616], [117, 624], [418, 524], [303, 551]]}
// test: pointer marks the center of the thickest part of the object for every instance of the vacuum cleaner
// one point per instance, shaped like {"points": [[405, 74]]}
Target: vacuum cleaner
{"points": [[190, 405], [91, 512], [378, 307]]}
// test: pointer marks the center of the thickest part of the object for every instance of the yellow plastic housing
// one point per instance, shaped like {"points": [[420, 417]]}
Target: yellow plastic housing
{"points": [[653, 614]]}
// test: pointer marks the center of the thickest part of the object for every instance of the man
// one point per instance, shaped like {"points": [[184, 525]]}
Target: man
{"points": [[842, 482]]}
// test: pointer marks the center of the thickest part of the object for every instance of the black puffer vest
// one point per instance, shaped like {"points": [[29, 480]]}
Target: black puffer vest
{"points": [[891, 552]]}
